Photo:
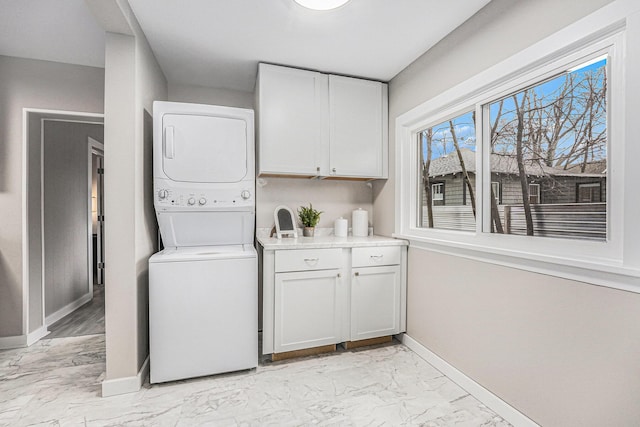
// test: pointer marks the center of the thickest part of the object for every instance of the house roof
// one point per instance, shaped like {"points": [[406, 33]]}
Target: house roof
{"points": [[506, 164]]}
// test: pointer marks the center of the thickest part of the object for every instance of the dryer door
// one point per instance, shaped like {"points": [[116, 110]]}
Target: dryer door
{"points": [[204, 149]]}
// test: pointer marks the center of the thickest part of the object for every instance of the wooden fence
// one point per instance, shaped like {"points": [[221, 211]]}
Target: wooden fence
{"points": [[571, 220], [452, 218]]}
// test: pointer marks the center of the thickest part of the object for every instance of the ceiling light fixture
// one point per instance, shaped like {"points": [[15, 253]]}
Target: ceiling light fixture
{"points": [[321, 4]]}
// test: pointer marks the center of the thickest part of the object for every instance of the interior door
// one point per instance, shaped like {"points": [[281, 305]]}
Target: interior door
{"points": [[100, 221], [204, 149]]}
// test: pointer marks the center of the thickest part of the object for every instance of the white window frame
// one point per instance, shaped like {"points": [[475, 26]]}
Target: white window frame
{"points": [[440, 193], [614, 263]]}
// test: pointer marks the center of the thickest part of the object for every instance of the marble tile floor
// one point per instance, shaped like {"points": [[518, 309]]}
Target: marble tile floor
{"points": [[57, 382]]}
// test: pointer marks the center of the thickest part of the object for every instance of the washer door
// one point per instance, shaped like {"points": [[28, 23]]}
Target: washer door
{"points": [[204, 149]]}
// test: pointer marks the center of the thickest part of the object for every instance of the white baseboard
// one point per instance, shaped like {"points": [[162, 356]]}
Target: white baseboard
{"points": [[499, 406], [20, 341], [67, 309], [125, 385], [16, 341], [36, 335]]}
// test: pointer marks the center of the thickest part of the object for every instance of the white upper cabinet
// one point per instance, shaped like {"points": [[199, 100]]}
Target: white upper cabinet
{"points": [[358, 127], [314, 124], [291, 120]]}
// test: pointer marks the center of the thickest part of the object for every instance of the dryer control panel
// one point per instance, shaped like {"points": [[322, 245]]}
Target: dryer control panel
{"points": [[166, 197], [169, 195]]}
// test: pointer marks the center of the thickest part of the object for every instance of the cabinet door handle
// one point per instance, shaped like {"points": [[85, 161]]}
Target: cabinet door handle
{"points": [[339, 275], [357, 273], [333, 170]]}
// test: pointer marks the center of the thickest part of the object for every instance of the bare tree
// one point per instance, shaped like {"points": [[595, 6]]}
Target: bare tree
{"points": [[426, 182], [589, 127], [524, 184], [496, 223], [559, 121], [465, 174]]}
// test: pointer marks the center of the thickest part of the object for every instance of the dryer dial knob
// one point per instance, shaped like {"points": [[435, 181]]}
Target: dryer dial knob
{"points": [[202, 201], [245, 194], [191, 201], [162, 194]]}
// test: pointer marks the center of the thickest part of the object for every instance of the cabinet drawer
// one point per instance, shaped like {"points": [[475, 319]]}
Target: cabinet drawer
{"points": [[308, 259], [373, 256]]}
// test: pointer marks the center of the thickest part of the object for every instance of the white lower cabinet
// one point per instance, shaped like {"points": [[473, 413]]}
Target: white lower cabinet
{"points": [[317, 297], [375, 302], [307, 309]]}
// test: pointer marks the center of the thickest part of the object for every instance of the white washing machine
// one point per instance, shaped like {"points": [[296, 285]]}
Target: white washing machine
{"points": [[203, 311], [203, 287]]}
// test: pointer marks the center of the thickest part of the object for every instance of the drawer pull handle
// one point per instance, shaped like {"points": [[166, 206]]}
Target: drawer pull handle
{"points": [[357, 273], [376, 257], [311, 259]]}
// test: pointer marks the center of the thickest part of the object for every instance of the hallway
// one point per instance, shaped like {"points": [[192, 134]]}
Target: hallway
{"points": [[87, 320]]}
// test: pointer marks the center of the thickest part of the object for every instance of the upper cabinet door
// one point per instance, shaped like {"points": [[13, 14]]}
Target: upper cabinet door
{"points": [[207, 149], [358, 127], [292, 119]]}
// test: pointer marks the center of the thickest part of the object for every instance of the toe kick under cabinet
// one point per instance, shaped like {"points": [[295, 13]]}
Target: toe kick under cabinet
{"points": [[319, 296]]}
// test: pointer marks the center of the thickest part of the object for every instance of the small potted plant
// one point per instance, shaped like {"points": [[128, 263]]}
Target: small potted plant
{"points": [[309, 218]]}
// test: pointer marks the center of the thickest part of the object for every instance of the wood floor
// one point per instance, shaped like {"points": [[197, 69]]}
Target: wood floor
{"points": [[87, 320]]}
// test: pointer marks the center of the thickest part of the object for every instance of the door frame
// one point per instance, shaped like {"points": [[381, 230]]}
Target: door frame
{"points": [[31, 337], [94, 148]]}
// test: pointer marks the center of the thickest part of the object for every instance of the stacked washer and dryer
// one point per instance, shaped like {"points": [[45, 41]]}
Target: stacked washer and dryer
{"points": [[203, 290]]}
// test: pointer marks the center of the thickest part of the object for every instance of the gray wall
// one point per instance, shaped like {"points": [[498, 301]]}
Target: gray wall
{"points": [[562, 352], [133, 80], [30, 84], [66, 207], [212, 96]]}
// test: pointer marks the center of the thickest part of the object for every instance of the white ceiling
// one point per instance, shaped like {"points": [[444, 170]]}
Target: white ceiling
{"points": [[60, 31], [218, 43]]}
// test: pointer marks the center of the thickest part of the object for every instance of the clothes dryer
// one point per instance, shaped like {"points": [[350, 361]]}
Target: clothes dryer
{"points": [[203, 287], [203, 174]]}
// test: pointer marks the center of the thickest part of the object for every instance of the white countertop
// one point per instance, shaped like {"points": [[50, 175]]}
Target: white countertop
{"points": [[330, 241]]}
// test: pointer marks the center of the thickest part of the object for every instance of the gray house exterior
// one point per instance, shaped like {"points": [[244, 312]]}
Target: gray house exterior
{"points": [[567, 203], [547, 185]]}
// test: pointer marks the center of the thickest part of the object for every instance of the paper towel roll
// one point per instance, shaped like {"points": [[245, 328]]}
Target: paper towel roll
{"points": [[360, 223], [340, 227]]}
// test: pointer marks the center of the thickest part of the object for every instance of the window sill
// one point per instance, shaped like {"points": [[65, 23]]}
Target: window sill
{"points": [[608, 274]]}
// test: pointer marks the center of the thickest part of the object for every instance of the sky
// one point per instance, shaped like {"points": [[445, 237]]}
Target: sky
{"points": [[464, 125]]}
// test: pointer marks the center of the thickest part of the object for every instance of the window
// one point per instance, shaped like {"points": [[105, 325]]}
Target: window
{"points": [[544, 139], [589, 193], [534, 194], [495, 191], [550, 123], [448, 163], [437, 192]]}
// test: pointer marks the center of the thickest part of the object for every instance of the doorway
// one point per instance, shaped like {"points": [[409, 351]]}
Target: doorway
{"points": [[62, 148], [96, 191]]}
